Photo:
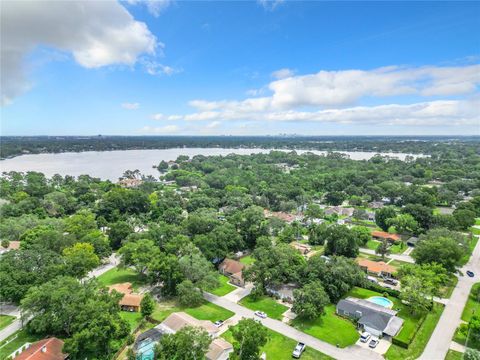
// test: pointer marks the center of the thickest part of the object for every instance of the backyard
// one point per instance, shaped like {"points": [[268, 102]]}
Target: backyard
{"points": [[5, 320], [394, 249], [224, 288], [266, 304], [280, 347], [118, 275]]}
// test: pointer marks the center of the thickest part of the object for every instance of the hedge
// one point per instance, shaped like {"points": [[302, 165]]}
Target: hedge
{"points": [[375, 287], [405, 344]]}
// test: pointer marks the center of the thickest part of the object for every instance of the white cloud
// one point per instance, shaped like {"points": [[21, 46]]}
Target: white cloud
{"points": [[283, 73], [213, 125], [155, 68], [167, 129], [96, 33], [154, 7], [158, 116], [130, 106], [270, 5]]}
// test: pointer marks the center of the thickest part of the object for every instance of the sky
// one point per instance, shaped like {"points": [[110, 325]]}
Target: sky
{"points": [[239, 68]]}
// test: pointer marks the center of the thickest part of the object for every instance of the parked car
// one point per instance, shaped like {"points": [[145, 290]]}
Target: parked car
{"points": [[218, 323], [373, 343], [365, 337], [470, 273], [299, 349], [390, 281], [260, 314]]}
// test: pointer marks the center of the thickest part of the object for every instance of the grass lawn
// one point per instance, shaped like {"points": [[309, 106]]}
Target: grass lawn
{"points": [[397, 263], [472, 306], [421, 338], [224, 288], [21, 338], [6, 320], [370, 257], [471, 246], [477, 221], [247, 260], [372, 244], [133, 318], [446, 291], [330, 328], [280, 347], [398, 248], [117, 275], [206, 311], [454, 355], [475, 231], [266, 304], [461, 338]]}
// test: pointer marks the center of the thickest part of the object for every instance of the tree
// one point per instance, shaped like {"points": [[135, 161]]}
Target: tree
{"points": [[80, 259], [340, 241], [147, 305], [440, 246], [189, 295], [46, 237], [164, 269], [434, 274], [423, 215], [362, 235], [310, 300], [335, 198], [417, 293], [465, 218], [162, 166], [383, 249], [197, 269], [189, 343], [316, 234], [80, 223], [138, 254], [403, 223], [118, 232], [249, 337], [250, 224], [383, 215]]}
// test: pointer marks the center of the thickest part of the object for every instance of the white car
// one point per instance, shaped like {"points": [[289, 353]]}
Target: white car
{"points": [[365, 337], [299, 349], [260, 314], [373, 343], [218, 323]]}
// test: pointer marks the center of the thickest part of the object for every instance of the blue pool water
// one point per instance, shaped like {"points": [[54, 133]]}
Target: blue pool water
{"points": [[380, 300]]}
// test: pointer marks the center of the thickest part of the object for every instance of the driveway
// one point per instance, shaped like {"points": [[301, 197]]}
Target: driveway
{"points": [[354, 352], [381, 348], [112, 262], [239, 293], [439, 343]]}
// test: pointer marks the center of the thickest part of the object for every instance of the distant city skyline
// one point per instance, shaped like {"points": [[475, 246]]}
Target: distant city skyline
{"points": [[240, 68]]}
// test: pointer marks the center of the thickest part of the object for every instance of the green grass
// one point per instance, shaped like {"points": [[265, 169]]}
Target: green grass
{"points": [[206, 311], [280, 347], [446, 291], [454, 355], [471, 246], [370, 257], [330, 328], [266, 304], [394, 249], [475, 231], [117, 276], [472, 306], [247, 260], [477, 221], [421, 338], [6, 320], [133, 318], [224, 288], [20, 340], [372, 244], [461, 338], [397, 263]]}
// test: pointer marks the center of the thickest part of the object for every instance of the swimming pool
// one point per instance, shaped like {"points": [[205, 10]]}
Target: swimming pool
{"points": [[382, 301]]}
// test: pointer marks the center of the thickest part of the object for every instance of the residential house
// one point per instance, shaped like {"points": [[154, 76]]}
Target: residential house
{"points": [[130, 300], [304, 249], [130, 183], [376, 204], [283, 292], [233, 269], [46, 349], [287, 217], [412, 242], [340, 211], [12, 245], [219, 349], [378, 268], [375, 319], [382, 235], [179, 320]]}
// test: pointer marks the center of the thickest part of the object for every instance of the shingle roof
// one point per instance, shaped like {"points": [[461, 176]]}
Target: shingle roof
{"points": [[232, 266], [178, 320], [376, 266], [217, 349], [52, 350]]}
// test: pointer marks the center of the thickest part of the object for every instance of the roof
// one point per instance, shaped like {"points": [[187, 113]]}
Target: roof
{"points": [[412, 240], [280, 215], [52, 350], [232, 266], [123, 288], [131, 300], [178, 320], [12, 245], [301, 247], [372, 315], [217, 348], [376, 266], [152, 334], [385, 235]]}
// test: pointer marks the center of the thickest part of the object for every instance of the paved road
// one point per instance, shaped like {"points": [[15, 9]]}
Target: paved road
{"points": [[354, 352], [399, 257], [113, 261], [439, 343]]}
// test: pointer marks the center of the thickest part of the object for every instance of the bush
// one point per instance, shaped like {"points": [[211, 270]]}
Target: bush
{"points": [[385, 291], [405, 343]]}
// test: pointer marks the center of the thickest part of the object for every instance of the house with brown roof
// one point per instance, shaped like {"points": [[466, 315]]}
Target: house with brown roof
{"points": [[130, 183], [378, 268], [12, 245], [46, 349], [130, 300], [382, 235], [304, 249], [233, 269]]}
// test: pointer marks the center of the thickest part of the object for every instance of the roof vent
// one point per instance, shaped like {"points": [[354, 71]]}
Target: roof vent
{"points": [[44, 348]]}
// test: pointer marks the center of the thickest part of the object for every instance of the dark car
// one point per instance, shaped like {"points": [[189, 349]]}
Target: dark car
{"points": [[470, 273]]}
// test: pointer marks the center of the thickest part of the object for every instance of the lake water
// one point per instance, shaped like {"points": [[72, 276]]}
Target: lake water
{"points": [[111, 164]]}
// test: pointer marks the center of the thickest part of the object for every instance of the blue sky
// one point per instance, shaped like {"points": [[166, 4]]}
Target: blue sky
{"points": [[161, 67]]}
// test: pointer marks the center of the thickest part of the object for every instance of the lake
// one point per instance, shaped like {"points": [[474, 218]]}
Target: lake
{"points": [[111, 164]]}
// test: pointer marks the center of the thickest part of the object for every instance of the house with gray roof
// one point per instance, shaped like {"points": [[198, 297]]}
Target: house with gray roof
{"points": [[375, 319]]}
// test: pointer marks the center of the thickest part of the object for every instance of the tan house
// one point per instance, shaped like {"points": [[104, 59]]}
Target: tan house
{"points": [[130, 301], [219, 349], [233, 269], [378, 268], [179, 320]]}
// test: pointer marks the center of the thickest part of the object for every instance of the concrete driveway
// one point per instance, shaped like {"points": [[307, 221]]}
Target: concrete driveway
{"points": [[239, 293], [381, 348]]}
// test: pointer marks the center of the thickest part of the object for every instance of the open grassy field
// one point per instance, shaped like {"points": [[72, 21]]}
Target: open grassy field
{"points": [[473, 304], [21, 337], [280, 347], [117, 275], [6, 320], [206, 311], [421, 338], [247, 260], [224, 288], [266, 304], [330, 328]]}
